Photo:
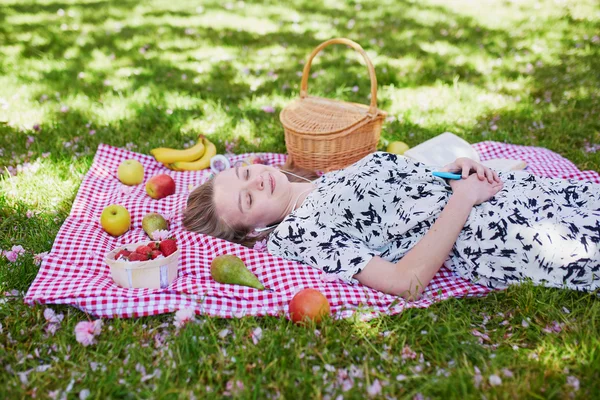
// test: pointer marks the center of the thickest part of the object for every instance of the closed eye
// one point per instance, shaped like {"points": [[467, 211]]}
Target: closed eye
{"points": [[249, 196]]}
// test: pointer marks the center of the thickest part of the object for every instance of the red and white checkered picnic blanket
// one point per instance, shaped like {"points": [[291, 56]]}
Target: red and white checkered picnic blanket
{"points": [[74, 272]]}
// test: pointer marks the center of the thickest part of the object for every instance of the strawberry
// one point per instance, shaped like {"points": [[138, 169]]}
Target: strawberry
{"points": [[138, 257], [143, 250], [168, 246], [153, 245], [122, 254], [155, 254]]}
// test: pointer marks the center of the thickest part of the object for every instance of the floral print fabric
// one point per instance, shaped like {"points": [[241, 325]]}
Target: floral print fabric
{"points": [[540, 228]]}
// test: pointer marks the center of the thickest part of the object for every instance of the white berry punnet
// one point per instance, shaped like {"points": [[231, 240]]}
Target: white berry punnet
{"points": [[152, 265]]}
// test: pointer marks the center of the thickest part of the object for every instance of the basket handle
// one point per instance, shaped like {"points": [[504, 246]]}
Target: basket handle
{"points": [[355, 46]]}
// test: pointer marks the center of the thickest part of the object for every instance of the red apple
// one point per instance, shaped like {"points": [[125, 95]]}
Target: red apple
{"points": [[308, 304], [160, 186]]}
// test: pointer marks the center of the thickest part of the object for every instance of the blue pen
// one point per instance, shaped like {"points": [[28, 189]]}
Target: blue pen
{"points": [[446, 175]]}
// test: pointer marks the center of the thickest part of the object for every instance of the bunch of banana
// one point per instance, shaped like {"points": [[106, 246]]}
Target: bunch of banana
{"points": [[194, 158]]}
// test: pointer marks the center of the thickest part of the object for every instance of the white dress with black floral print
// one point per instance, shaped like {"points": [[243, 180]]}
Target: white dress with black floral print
{"points": [[544, 229]]}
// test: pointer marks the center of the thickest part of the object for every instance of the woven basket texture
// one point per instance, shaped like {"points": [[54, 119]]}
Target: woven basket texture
{"points": [[326, 134]]}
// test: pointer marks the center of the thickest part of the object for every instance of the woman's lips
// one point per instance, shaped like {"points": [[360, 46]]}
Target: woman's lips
{"points": [[272, 183]]}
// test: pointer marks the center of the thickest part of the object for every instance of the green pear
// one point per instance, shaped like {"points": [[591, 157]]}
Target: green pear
{"points": [[152, 222], [230, 269]]}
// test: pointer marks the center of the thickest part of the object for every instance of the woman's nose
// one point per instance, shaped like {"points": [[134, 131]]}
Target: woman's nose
{"points": [[259, 182]]}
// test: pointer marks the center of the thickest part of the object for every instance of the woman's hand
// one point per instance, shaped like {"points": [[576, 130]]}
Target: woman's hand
{"points": [[474, 190], [467, 165]]}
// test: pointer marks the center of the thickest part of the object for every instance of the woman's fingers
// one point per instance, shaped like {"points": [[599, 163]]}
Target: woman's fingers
{"points": [[452, 167], [496, 177], [490, 175], [466, 169], [480, 172]]}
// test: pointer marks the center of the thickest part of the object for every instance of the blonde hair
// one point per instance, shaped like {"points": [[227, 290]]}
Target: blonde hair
{"points": [[200, 214]]}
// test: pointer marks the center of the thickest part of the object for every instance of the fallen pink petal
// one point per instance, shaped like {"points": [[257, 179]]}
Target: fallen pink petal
{"points": [[408, 353], [52, 317], [573, 382], [183, 316], [11, 256], [160, 234], [38, 258], [268, 109], [233, 388], [260, 245], [85, 331], [374, 389], [256, 335]]}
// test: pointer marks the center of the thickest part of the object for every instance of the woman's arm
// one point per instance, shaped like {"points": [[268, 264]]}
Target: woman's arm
{"points": [[409, 276]]}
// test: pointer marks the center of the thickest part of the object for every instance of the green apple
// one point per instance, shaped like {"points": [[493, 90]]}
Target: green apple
{"points": [[115, 219], [153, 222], [397, 147], [131, 172]]}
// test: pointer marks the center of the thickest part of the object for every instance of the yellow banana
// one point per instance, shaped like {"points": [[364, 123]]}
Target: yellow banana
{"points": [[202, 163], [166, 155]]}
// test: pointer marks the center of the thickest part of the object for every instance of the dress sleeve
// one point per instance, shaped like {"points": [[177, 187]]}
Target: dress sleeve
{"points": [[333, 251]]}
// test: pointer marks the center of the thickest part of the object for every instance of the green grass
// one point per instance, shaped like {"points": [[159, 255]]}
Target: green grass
{"points": [[143, 74]]}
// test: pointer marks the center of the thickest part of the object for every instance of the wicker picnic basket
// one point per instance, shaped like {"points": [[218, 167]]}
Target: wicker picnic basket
{"points": [[324, 134]]}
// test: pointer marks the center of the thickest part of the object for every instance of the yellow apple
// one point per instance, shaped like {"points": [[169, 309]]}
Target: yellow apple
{"points": [[115, 219], [397, 147], [131, 172]]}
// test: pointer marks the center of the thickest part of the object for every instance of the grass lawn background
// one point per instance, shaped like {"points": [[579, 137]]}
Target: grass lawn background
{"points": [[143, 74]]}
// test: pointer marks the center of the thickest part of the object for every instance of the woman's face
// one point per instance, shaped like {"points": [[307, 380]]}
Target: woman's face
{"points": [[252, 196]]}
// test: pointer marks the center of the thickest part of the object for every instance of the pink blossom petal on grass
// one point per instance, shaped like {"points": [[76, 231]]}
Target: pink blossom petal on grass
{"points": [[484, 336], [184, 316], [223, 334], [495, 380], [11, 256], [573, 382], [18, 250], [233, 388], [97, 327], [85, 331], [38, 258], [52, 328], [507, 373], [374, 389], [477, 378], [256, 335], [52, 317], [268, 109], [407, 352]]}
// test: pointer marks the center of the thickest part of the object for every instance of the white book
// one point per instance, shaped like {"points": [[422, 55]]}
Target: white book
{"points": [[447, 147]]}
